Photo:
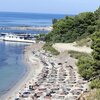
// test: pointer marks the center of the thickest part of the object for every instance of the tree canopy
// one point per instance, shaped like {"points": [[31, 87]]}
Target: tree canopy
{"points": [[71, 28]]}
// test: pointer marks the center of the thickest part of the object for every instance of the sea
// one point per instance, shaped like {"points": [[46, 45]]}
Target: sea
{"points": [[12, 66]]}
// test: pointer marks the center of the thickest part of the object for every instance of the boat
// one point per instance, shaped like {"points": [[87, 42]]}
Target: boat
{"points": [[17, 38]]}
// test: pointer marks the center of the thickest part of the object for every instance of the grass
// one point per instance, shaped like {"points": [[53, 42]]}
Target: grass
{"points": [[94, 95], [48, 47], [95, 83], [77, 55], [84, 42]]}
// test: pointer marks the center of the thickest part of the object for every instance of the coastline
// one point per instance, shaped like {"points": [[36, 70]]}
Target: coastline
{"points": [[33, 68], [46, 73], [46, 28]]}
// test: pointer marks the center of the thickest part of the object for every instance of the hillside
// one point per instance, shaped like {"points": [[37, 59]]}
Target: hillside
{"points": [[72, 28], [77, 29], [61, 47]]}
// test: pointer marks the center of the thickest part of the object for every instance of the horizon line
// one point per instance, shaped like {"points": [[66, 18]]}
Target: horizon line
{"points": [[35, 13]]}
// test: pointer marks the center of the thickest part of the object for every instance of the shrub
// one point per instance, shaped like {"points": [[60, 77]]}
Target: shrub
{"points": [[48, 47], [94, 95], [77, 55], [85, 67], [95, 83]]}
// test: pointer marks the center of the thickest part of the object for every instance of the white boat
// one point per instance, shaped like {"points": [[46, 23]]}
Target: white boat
{"points": [[16, 38]]}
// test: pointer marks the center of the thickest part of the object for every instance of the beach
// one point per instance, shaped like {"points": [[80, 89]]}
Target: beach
{"points": [[33, 68], [50, 77], [61, 61]]}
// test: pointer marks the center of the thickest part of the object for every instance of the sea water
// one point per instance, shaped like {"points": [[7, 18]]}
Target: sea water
{"points": [[27, 19], [12, 19], [12, 67]]}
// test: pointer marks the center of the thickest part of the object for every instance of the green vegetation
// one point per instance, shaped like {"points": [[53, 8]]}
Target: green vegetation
{"points": [[72, 28], [85, 64], [89, 65], [94, 95], [84, 42], [96, 52], [48, 47], [40, 37], [79, 28], [95, 83], [96, 56], [77, 55], [85, 67], [54, 21]]}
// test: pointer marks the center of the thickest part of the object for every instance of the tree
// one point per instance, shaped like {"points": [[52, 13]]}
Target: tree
{"points": [[85, 67], [54, 21], [96, 50], [74, 27]]}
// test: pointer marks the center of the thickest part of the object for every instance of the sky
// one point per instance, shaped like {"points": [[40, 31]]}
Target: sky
{"points": [[49, 6]]}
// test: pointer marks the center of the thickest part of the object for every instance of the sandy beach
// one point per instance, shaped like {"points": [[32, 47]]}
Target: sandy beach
{"points": [[50, 77], [33, 69]]}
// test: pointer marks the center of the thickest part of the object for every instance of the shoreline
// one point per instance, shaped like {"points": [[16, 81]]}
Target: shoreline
{"points": [[51, 77], [45, 28], [27, 77]]}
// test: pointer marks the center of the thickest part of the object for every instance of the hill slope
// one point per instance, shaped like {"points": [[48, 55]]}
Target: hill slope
{"points": [[72, 28]]}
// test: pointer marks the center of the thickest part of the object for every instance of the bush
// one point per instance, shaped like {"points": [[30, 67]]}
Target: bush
{"points": [[94, 95], [85, 64], [85, 67], [84, 42], [48, 47], [95, 83], [71, 28], [77, 55]]}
